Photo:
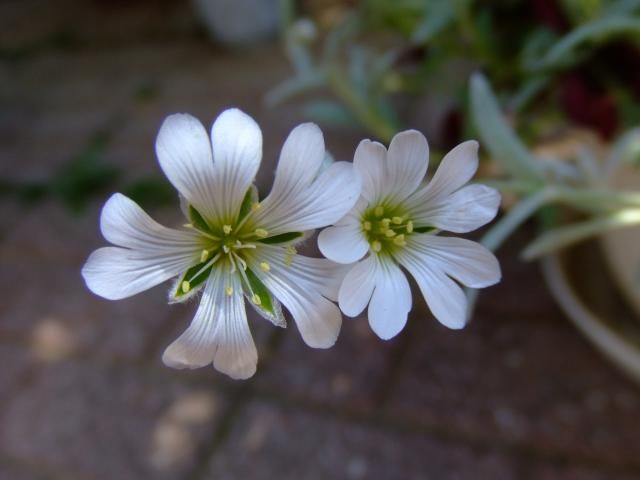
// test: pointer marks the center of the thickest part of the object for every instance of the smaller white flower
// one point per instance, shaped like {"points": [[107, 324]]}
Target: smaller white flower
{"points": [[233, 246], [396, 221]]}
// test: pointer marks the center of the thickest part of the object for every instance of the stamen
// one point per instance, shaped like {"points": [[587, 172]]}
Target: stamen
{"points": [[204, 255], [239, 259], [385, 222], [186, 286], [227, 229], [233, 263], [366, 225], [390, 233], [409, 226], [265, 267], [256, 299], [187, 225], [226, 248], [244, 245], [209, 263], [376, 246], [397, 220], [261, 233], [399, 240], [256, 206], [208, 235], [228, 291], [379, 211]]}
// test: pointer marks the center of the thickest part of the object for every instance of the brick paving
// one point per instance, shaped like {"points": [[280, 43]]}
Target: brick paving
{"points": [[83, 394]]}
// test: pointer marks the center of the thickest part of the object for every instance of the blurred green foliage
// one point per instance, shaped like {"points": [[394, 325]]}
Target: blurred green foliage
{"points": [[86, 177], [374, 52]]}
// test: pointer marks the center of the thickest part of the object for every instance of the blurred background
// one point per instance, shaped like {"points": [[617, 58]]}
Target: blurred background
{"points": [[521, 393]]}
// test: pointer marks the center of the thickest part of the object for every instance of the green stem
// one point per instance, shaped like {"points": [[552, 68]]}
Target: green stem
{"points": [[359, 107]]}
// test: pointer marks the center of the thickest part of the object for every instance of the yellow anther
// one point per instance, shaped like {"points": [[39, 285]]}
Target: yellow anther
{"points": [[227, 229], [186, 286], [288, 259], [409, 226], [385, 222], [399, 240], [187, 225], [261, 233], [256, 299], [204, 255], [256, 206], [390, 233], [397, 220], [366, 225], [379, 211], [226, 248], [265, 267], [228, 291], [376, 246]]}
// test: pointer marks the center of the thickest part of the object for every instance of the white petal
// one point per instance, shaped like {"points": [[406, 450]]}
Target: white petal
{"points": [[468, 262], [218, 333], [456, 169], [323, 203], [407, 161], [357, 287], [125, 224], [345, 242], [370, 163], [115, 273], [391, 301], [301, 284], [445, 298], [463, 211], [300, 161], [184, 154], [236, 140], [236, 354]]}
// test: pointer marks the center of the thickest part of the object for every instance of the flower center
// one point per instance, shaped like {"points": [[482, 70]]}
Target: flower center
{"points": [[232, 245], [386, 228], [227, 246]]}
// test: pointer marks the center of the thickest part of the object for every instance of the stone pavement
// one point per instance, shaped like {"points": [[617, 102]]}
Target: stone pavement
{"points": [[83, 394]]}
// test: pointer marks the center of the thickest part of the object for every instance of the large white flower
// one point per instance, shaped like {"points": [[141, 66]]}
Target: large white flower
{"points": [[233, 246], [396, 222]]}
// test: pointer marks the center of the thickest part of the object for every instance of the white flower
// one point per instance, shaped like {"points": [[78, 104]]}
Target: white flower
{"points": [[233, 245], [396, 221]]}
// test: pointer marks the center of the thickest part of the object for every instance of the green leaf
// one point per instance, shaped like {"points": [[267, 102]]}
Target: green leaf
{"points": [[329, 112], [258, 288], [438, 14], [282, 238], [560, 237], [567, 52], [497, 136]]}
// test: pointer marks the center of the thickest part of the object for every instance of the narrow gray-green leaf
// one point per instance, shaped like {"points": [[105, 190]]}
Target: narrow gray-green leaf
{"points": [[497, 135], [564, 236], [565, 52]]}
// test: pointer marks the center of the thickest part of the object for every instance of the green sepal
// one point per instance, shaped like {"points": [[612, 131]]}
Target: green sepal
{"points": [[249, 199], [198, 221], [423, 229], [193, 282], [282, 238], [259, 289]]}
